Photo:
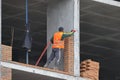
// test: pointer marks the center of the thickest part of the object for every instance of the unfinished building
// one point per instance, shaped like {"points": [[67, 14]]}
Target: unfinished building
{"points": [[96, 38]]}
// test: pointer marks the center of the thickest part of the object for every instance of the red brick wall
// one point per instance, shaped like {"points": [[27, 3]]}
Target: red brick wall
{"points": [[6, 56], [69, 55]]}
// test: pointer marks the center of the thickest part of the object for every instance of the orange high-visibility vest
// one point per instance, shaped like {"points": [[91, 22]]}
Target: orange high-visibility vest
{"points": [[57, 42]]}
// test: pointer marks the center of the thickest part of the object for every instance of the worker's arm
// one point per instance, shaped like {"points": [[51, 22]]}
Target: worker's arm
{"points": [[68, 34], [63, 36]]}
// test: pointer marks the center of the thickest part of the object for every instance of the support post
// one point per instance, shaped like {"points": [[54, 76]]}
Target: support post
{"points": [[27, 57], [0, 43], [76, 38]]}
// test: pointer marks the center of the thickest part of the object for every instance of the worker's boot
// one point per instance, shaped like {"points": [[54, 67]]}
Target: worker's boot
{"points": [[46, 65]]}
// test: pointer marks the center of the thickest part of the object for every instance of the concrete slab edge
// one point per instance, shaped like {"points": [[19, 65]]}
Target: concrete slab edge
{"points": [[40, 71]]}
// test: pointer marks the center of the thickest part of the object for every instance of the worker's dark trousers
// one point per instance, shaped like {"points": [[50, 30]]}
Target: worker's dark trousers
{"points": [[57, 54]]}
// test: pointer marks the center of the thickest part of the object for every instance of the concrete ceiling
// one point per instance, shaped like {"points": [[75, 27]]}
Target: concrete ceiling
{"points": [[99, 36]]}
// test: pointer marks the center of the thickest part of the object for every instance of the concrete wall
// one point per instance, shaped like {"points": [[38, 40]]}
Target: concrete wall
{"points": [[59, 13], [65, 13]]}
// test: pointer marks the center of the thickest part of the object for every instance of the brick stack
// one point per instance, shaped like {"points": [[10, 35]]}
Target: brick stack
{"points": [[6, 53], [6, 73], [69, 55], [89, 69]]}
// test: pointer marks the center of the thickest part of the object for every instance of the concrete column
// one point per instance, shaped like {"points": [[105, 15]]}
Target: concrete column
{"points": [[76, 38], [0, 41], [0, 28]]}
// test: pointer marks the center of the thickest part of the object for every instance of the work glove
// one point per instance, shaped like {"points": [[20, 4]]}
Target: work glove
{"points": [[73, 30]]}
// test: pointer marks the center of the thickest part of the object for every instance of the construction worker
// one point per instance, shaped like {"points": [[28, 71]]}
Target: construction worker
{"points": [[57, 47]]}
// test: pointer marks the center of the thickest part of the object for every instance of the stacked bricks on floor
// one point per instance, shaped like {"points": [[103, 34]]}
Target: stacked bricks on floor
{"points": [[6, 53], [69, 55], [89, 69], [6, 73]]}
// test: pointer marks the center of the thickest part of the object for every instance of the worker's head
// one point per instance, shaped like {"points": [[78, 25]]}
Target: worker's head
{"points": [[61, 29]]}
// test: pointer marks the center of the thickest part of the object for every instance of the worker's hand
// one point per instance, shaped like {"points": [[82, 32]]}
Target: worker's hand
{"points": [[73, 30]]}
